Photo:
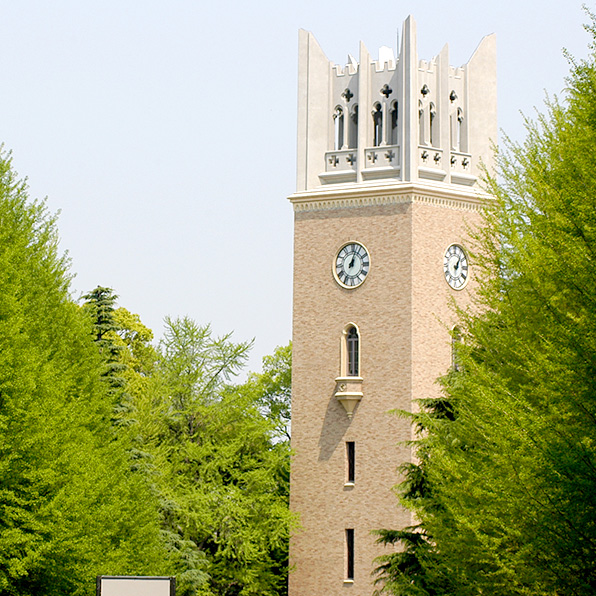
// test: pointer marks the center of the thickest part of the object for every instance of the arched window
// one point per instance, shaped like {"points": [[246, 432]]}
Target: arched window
{"points": [[352, 341], [460, 121], [350, 351], [394, 121], [353, 128], [377, 115], [421, 131], [338, 121], [432, 113], [457, 119]]}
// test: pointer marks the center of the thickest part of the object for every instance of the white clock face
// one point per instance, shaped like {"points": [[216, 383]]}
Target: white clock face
{"points": [[455, 267], [351, 265]]}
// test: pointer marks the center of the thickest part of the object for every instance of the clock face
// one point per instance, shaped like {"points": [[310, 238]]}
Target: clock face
{"points": [[455, 267], [351, 265]]}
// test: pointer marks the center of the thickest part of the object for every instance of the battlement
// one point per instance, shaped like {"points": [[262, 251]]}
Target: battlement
{"points": [[396, 118], [351, 68]]}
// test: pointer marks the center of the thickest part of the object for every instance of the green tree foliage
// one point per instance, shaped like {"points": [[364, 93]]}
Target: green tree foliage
{"points": [[414, 569], [142, 422], [225, 479], [69, 506], [119, 457], [100, 304], [511, 476], [213, 454], [272, 389]]}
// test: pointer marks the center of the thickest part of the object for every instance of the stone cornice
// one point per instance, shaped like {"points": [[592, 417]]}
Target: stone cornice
{"points": [[322, 199]]}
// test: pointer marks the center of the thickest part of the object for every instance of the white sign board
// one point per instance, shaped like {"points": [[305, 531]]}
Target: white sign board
{"points": [[113, 585]]}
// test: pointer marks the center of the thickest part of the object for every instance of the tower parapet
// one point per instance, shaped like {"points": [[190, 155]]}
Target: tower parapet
{"points": [[395, 119]]}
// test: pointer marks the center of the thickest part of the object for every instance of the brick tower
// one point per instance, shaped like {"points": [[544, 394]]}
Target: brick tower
{"points": [[389, 160]]}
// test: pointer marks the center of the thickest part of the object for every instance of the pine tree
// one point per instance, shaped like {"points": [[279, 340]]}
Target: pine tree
{"points": [[414, 568], [101, 305]]}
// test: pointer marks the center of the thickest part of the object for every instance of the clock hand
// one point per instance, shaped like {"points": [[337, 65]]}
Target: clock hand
{"points": [[351, 263]]}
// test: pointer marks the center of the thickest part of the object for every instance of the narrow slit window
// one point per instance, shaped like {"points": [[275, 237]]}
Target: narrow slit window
{"points": [[352, 345], [421, 131], [351, 461], [460, 121], [350, 554]]}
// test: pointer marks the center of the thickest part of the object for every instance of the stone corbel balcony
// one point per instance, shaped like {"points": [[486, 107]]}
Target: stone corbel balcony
{"points": [[461, 166], [431, 165], [340, 166], [348, 391], [382, 162]]}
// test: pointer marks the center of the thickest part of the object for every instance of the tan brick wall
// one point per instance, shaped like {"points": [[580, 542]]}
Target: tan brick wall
{"points": [[434, 229], [403, 317]]}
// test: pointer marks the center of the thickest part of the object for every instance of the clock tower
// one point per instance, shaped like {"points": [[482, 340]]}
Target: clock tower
{"points": [[390, 154]]}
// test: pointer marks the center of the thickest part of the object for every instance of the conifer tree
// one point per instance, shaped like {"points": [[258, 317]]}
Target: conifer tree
{"points": [[100, 303], [414, 568]]}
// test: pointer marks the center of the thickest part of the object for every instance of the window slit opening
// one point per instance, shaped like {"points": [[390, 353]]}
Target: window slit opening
{"points": [[351, 457], [432, 124], [353, 128], [350, 554], [421, 131]]}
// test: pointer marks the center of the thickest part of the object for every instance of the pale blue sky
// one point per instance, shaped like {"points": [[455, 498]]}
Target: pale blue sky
{"points": [[165, 131]]}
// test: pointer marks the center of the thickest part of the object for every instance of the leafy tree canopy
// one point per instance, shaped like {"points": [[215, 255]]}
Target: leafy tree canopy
{"points": [[213, 453], [69, 506], [510, 476]]}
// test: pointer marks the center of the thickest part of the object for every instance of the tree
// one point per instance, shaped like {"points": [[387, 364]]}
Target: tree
{"points": [[273, 389], [99, 303], [140, 423], [69, 506], [513, 474], [415, 569], [215, 460]]}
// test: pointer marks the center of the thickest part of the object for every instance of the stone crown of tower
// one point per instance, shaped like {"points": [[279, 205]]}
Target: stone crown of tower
{"points": [[396, 119]]}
